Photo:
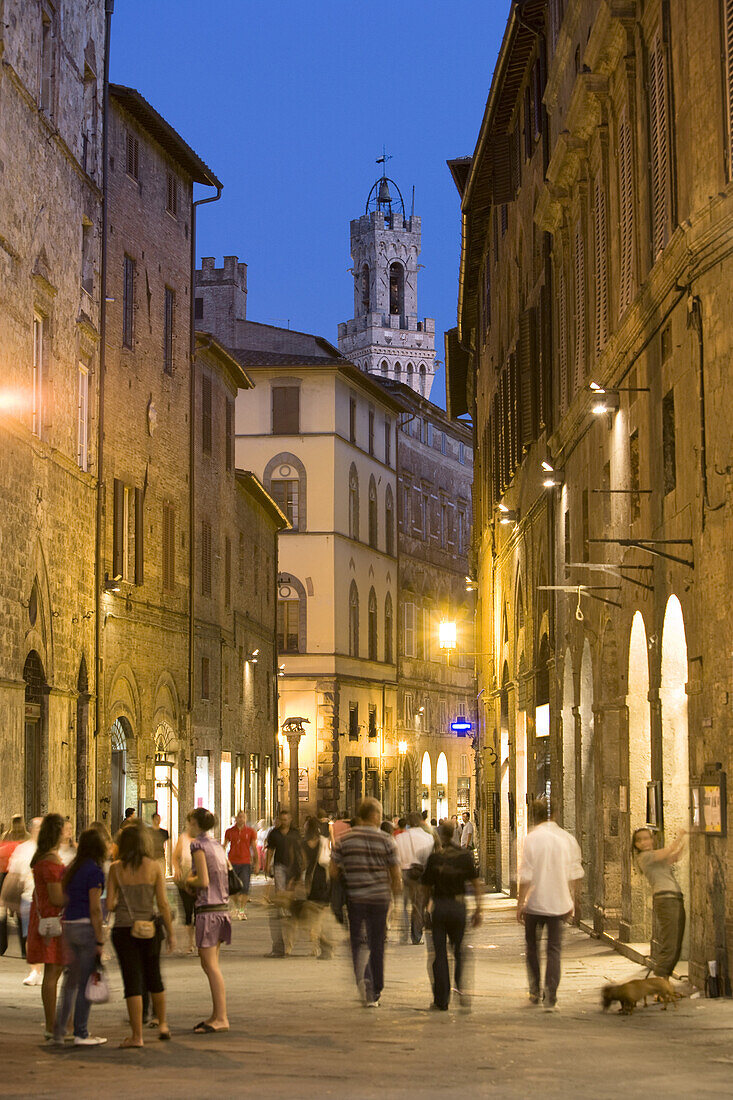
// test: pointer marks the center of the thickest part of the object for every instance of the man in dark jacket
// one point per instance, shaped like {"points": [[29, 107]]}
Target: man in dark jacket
{"points": [[445, 876]]}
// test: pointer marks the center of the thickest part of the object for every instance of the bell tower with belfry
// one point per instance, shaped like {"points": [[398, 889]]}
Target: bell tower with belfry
{"points": [[385, 337]]}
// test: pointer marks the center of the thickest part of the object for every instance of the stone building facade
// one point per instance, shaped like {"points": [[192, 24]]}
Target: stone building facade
{"points": [[385, 337], [626, 381], [51, 85]]}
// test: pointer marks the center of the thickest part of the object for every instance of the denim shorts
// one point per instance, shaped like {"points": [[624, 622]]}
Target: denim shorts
{"points": [[244, 873]]}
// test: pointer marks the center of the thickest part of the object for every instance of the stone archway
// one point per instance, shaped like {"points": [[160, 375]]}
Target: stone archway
{"points": [[123, 771], [569, 791], [35, 755], [640, 767], [675, 739], [587, 783], [426, 777]]}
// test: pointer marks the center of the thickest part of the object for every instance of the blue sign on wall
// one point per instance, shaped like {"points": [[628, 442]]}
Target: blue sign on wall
{"points": [[461, 725]]}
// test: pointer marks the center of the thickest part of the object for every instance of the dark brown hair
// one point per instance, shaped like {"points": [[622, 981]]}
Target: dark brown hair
{"points": [[49, 835], [133, 845], [203, 818], [92, 845]]}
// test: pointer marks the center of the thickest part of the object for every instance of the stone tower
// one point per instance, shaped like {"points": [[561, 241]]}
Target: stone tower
{"points": [[384, 336]]}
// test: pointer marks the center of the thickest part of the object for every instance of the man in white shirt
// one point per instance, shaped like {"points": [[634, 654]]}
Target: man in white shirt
{"points": [[548, 883], [414, 846], [468, 833]]}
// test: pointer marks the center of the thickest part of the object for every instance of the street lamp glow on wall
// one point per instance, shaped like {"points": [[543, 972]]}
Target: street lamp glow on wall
{"points": [[447, 637], [402, 747]]}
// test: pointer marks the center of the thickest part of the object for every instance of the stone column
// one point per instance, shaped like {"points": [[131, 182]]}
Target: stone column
{"points": [[327, 732], [293, 742]]}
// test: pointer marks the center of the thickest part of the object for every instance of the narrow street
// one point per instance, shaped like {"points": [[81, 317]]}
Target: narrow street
{"points": [[299, 1031]]}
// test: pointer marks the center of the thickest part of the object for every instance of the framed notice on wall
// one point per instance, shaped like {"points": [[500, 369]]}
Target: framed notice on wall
{"points": [[710, 803], [654, 805]]}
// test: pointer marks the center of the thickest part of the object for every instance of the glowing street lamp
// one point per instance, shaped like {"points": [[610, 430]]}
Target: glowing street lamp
{"points": [[402, 747], [447, 636]]}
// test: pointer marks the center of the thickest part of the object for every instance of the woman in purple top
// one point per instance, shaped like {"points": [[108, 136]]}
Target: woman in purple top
{"points": [[210, 879]]}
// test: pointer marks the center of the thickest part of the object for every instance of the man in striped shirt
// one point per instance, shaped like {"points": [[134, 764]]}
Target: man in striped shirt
{"points": [[369, 862]]}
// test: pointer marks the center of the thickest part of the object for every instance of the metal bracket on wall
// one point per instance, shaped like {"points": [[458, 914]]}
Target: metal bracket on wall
{"points": [[650, 546]]}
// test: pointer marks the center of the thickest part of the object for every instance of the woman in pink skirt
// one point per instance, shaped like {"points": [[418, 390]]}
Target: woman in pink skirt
{"points": [[210, 879]]}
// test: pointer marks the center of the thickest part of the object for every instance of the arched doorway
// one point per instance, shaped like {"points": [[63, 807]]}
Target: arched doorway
{"points": [[166, 783], [568, 746], [504, 781], [123, 792], [36, 694], [441, 785], [426, 775], [675, 744], [408, 787], [587, 779], [82, 748], [640, 763]]}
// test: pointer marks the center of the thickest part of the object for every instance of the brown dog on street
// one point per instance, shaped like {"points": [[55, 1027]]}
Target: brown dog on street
{"points": [[630, 993]]}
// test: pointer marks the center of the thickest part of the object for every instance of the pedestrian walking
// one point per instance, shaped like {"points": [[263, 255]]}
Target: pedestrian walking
{"points": [[14, 836], [468, 833], [549, 876], [44, 946], [262, 830], [668, 906], [159, 838], [317, 851], [242, 841], [369, 862], [339, 827], [285, 864], [210, 879], [414, 845], [83, 935], [135, 886], [446, 874], [67, 847], [182, 867], [20, 885]]}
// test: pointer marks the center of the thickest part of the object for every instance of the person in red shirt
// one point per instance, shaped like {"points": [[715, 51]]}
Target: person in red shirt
{"points": [[242, 842]]}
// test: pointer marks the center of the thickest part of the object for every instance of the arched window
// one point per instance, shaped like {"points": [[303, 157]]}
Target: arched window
{"points": [[372, 513], [353, 503], [389, 521], [396, 289], [353, 620], [291, 615], [423, 378], [372, 641], [385, 367], [285, 480], [409, 374], [388, 631], [365, 288]]}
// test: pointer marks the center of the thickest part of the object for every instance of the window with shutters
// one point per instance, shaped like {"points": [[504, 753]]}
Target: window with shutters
{"points": [[285, 410], [486, 310], [634, 477], [82, 424], [139, 536], [128, 301], [39, 352], [528, 123], [409, 632], [728, 33], [286, 494], [353, 503], [227, 571], [528, 378], [353, 721], [601, 263], [388, 630], [580, 294], [353, 620], [169, 547], [205, 687], [206, 426], [46, 91], [372, 725], [170, 300], [352, 419], [669, 443], [121, 530], [171, 195], [205, 558], [659, 141], [373, 533], [371, 432], [229, 434], [626, 211], [562, 338], [389, 521], [387, 442], [372, 631], [288, 624], [132, 155], [198, 309]]}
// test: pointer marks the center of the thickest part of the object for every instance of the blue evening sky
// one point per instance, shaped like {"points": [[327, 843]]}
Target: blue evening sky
{"points": [[290, 103]]}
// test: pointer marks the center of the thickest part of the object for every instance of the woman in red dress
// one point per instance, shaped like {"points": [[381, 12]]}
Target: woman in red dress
{"points": [[48, 901]]}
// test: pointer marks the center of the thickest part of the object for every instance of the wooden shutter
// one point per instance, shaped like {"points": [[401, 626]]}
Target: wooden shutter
{"points": [[659, 144], [626, 211], [230, 434], [729, 81], [495, 448], [502, 173], [227, 571], [205, 558], [528, 123], [529, 376], [544, 347], [206, 413], [285, 410], [562, 339], [169, 547], [580, 293], [118, 534], [139, 535], [600, 264]]}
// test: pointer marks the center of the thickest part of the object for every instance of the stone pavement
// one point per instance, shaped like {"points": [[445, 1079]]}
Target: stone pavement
{"points": [[299, 1031]]}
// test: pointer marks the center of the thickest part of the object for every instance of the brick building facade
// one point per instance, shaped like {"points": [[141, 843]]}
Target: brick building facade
{"points": [[595, 277]]}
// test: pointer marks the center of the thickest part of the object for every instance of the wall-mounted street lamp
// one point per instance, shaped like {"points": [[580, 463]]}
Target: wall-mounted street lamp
{"points": [[508, 516], [553, 479], [112, 584], [281, 670], [471, 584], [609, 400], [252, 659], [402, 748], [447, 636]]}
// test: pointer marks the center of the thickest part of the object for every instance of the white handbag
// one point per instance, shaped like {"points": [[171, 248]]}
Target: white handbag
{"points": [[49, 927], [97, 990], [324, 852]]}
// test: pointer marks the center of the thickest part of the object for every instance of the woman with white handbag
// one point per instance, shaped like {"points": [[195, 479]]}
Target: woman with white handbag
{"points": [[44, 944], [83, 927]]}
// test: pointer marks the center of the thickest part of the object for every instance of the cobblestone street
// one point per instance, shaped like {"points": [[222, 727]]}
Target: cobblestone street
{"points": [[298, 1030]]}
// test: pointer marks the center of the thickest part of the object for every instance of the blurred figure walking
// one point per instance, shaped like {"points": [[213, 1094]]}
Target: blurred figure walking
{"points": [[414, 845], [285, 864], [210, 880], [20, 879], [445, 877], [242, 841], [182, 867], [44, 945], [549, 878], [370, 864]]}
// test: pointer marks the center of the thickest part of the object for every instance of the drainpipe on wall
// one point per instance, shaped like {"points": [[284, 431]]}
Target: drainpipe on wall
{"points": [[109, 8]]}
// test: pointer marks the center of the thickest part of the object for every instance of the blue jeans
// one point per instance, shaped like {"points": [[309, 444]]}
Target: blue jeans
{"points": [[81, 946], [372, 916]]}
